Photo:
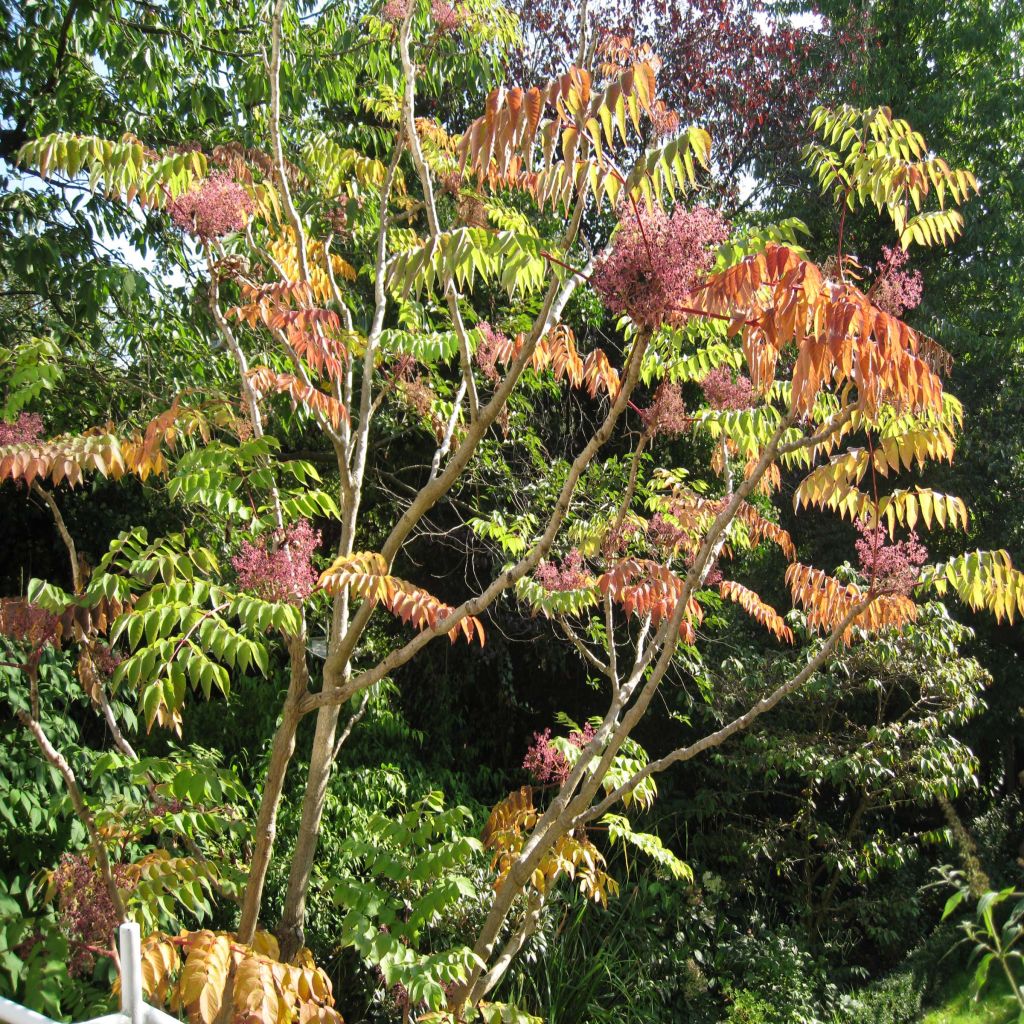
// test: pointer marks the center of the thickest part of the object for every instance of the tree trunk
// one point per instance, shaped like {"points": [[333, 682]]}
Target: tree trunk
{"points": [[290, 930], [266, 822]]}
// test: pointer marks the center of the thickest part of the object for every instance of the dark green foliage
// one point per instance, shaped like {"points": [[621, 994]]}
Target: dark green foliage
{"points": [[895, 999]]}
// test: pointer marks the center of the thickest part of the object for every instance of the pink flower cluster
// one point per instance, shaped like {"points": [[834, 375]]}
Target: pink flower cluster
{"points": [[891, 568], [395, 10], [896, 290], [545, 764], [215, 207], [667, 413], [616, 541], [447, 19], [284, 572], [572, 575], [87, 913], [722, 392], [665, 535], [655, 261], [25, 429], [492, 344], [27, 623]]}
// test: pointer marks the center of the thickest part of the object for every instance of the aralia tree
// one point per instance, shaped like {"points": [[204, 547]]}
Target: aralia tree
{"points": [[424, 284]]}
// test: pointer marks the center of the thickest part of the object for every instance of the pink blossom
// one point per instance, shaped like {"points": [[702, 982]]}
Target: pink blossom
{"points": [[572, 575], [616, 541], [891, 568], [27, 623], [896, 290], [284, 572], [395, 10], [25, 429], [546, 764], [86, 911], [666, 535], [722, 392], [447, 19], [655, 261], [492, 344], [215, 207], [667, 413]]}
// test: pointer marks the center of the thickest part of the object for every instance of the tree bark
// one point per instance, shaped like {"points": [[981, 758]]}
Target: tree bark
{"points": [[290, 930], [266, 822]]}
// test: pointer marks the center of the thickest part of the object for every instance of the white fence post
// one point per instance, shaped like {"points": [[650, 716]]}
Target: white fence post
{"points": [[130, 945], [133, 1009]]}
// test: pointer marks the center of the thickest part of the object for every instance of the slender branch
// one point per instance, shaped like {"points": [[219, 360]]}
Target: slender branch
{"points": [[430, 207], [266, 822], [738, 724], [54, 756], [354, 719], [613, 654], [511, 949], [280, 167], [627, 498], [449, 431], [120, 742], [249, 395], [526, 564], [592, 659], [65, 536]]}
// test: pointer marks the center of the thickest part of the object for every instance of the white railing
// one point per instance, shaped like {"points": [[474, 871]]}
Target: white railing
{"points": [[134, 1009]]}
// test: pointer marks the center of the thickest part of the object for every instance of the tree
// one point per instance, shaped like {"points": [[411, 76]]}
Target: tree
{"points": [[310, 252], [753, 70]]}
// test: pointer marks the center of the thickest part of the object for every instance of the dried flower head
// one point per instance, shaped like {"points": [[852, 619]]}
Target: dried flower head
{"points": [[667, 413], [655, 261], [283, 572], [723, 391], [617, 540], [666, 536], [450, 182], [664, 121], [404, 368], [87, 913], [492, 344], [419, 396], [571, 575], [896, 290], [26, 428], [105, 658], [470, 211], [217, 206], [545, 763], [890, 568], [27, 623]]}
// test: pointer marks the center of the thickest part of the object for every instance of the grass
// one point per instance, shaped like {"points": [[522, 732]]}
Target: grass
{"points": [[996, 1005]]}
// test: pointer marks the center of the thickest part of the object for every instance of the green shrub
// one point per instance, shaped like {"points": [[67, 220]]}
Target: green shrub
{"points": [[894, 999], [749, 1008]]}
